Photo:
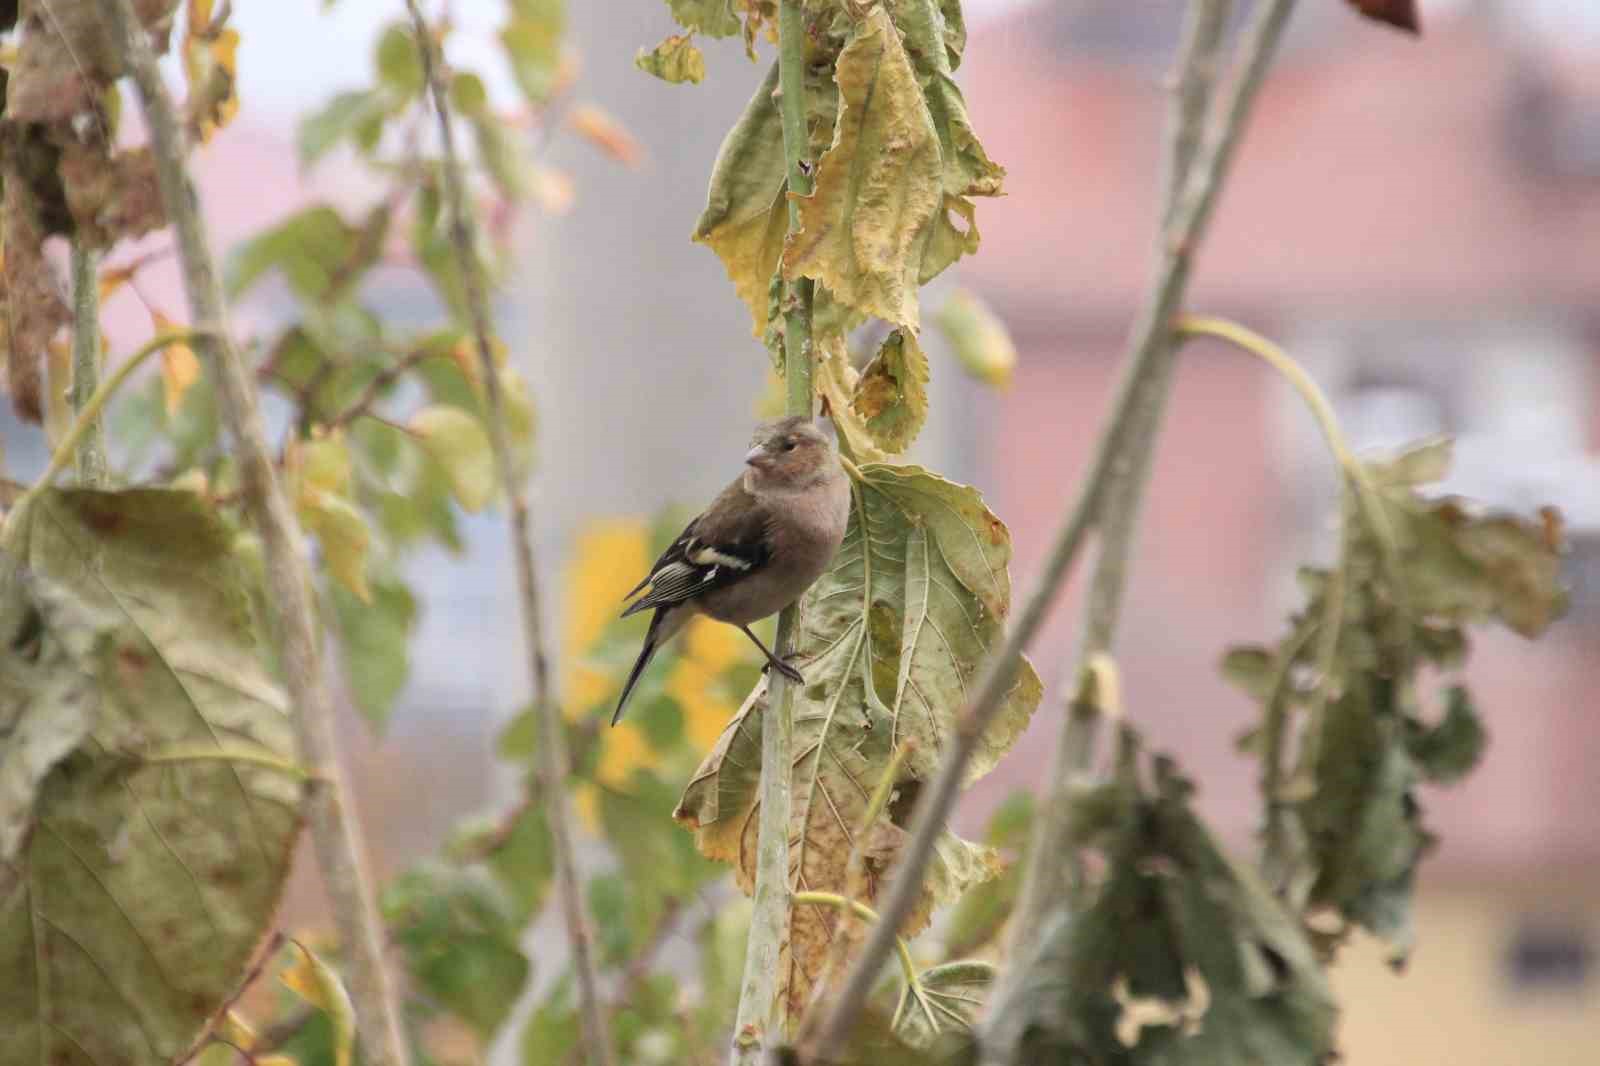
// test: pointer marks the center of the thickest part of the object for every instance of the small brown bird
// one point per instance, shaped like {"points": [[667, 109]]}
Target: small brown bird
{"points": [[756, 549]]}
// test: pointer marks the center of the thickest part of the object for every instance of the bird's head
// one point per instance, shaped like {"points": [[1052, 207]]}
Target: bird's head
{"points": [[789, 454]]}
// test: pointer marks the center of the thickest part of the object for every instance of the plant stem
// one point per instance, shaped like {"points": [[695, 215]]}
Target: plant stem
{"points": [[1051, 866], [89, 413], [86, 363], [552, 764], [334, 827], [1110, 462], [763, 1013]]}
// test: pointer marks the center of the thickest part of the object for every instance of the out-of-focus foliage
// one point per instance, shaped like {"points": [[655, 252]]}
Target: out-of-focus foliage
{"points": [[149, 806], [1413, 572]]}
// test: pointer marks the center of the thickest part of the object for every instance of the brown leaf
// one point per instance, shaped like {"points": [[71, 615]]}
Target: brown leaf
{"points": [[65, 58], [598, 127], [111, 198], [34, 309], [1401, 14]]}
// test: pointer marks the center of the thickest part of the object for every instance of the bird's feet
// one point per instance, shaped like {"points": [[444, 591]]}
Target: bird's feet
{"points": [[786, 670]]}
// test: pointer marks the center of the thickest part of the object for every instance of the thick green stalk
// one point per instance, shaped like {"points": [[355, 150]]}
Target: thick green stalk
{"points": [[763, 997], [91, 454]]}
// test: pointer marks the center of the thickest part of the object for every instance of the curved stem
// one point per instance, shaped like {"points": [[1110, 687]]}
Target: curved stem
{"points": [[89, 413], [264, 759], [908, 965]]}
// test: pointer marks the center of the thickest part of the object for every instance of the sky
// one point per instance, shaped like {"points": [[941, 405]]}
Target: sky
{"points": [[329, 50]]}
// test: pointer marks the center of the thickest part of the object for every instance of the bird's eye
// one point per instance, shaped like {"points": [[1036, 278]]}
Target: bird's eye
{"points": [[788, 445]]}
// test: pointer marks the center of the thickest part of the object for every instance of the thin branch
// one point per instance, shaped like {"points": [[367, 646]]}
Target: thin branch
{"points": [[364, 403], [1109, 463], [553, 766], [1050, 865], [86, 363], [334, 828], [763, 1014]]}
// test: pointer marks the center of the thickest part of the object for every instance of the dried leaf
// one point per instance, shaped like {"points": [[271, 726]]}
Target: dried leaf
{"points": [[111, 198], [35, 310], [65, 59], [878, 186], [675, 60], [835, 381], [892, 396], [892, 638], [210, 62], [147, 885], [714, 18]]}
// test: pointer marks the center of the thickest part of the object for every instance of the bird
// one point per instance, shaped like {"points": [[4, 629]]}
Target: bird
{"points": [[755, 550]]}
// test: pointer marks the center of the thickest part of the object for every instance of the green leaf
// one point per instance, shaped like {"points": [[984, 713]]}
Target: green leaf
{"points": [[519, 855], [714, 18], [878, 186], [467, 94], [674, 60], [1448, 751], [374, 644], [981, 913], [356, 115], [398, 61], [145, 887], [315, 982], [501, 155], [532, 40], [316, 250], [1181, 956], [342, 532], [457, 442], [551, 1035], [459, 933], [948, 1000], [980, 341], [896, 632], [892, 395], [968, 170]]}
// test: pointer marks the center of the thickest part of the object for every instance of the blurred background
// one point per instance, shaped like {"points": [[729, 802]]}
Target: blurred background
{"points": [[1418, 222]]}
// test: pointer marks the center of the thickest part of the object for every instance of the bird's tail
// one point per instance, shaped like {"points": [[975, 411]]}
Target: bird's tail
{"points": [[653, 640]]}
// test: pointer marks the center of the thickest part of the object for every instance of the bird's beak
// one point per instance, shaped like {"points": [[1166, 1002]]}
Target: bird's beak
{"points": [[758, 457]]}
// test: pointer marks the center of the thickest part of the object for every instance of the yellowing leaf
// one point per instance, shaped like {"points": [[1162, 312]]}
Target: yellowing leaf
{"points": [[458, 443], [893, 637], [835, 381], [210, 62], [180, 367], [892, 395], [714, 18], [745, 217], [675, 59], [315, 982], [551, 189], [343, 534], [521, 420], [599, 128], [864, 226], [324, 463], [978, 338]]}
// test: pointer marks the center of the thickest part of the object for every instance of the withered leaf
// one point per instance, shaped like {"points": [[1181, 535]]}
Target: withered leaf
{"points": [[1402, 14], [111, 198], [878, 186], [892, 396]]}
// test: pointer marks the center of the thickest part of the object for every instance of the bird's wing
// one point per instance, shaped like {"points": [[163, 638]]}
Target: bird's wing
{"points": [[727, 543]]}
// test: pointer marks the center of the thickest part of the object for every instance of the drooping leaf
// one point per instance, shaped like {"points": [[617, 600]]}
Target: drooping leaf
{"points": [[1414, 571], [34, 309], [210, 63], [892, 638], [458, 931], [112, 196], [457, 442], [745, 217], [180, 367], [315, 982], [967, 168], [601, 129], [892, 396], [156, 859], [341, 530], [674, 60], [835, 381], [1181, 956], [980, 341], [878, 186]]}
